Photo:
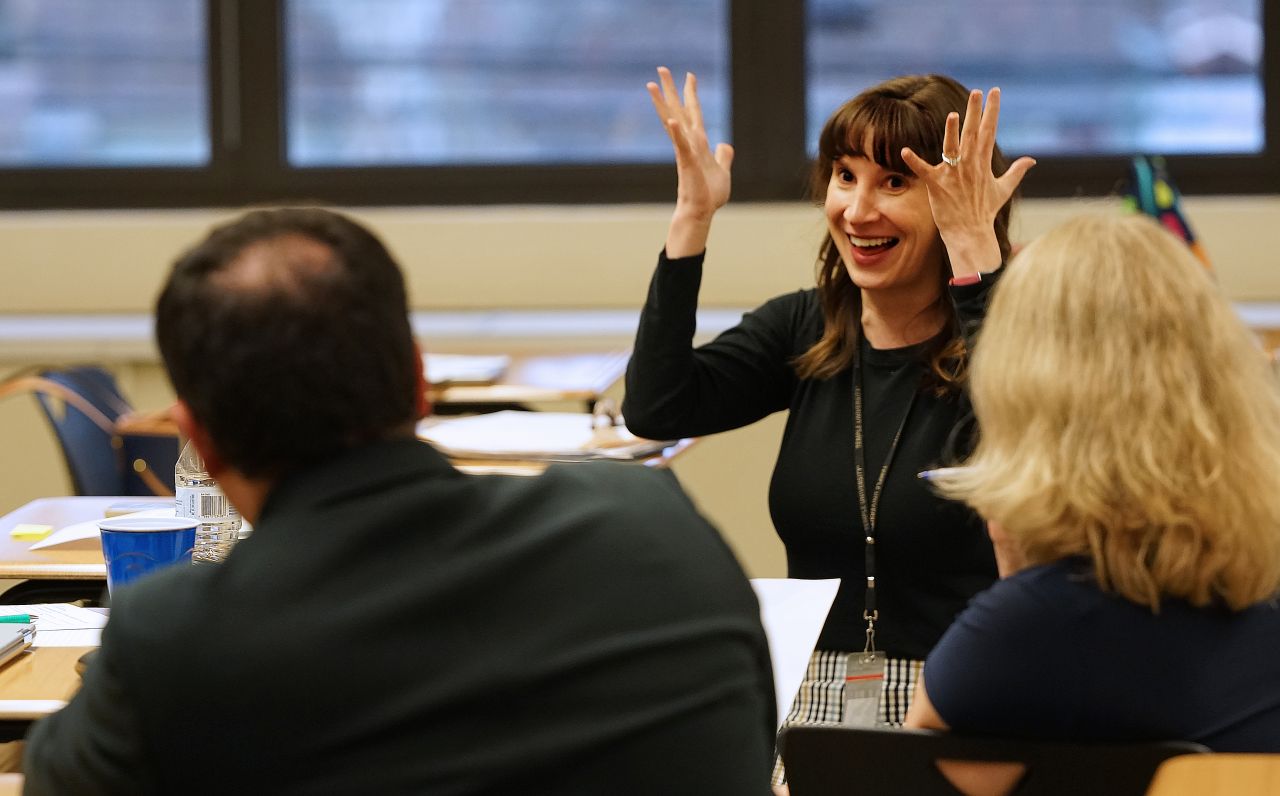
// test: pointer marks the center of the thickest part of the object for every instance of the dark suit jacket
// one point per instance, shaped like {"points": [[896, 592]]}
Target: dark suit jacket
{"points": [[395, 626]]}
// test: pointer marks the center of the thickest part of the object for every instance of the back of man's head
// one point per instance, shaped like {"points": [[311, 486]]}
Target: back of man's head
{"points": [[286, 332]]}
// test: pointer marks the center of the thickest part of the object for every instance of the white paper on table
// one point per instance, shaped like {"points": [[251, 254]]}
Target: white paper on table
{"points": [[68, 638], [81, 531], [89, 529], [793, 612], [465, 368], [532, 435], [62, 624], [59, 616], [30, 708]]}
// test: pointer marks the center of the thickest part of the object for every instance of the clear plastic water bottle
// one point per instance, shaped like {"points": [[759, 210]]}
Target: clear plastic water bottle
{"points": [[199, 497]]}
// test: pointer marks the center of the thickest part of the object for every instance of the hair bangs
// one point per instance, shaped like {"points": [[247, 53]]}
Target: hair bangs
{"points": [[878, 128]]}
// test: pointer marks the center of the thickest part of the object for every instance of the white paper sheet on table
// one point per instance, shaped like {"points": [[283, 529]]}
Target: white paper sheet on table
{"points": [[72, 535], [62, 624], [793, 612], [534, 435], [465, 368], [89, 529]]}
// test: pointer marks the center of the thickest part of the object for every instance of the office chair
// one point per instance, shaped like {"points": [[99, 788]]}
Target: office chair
{"points": [[83, 405], [841, 761]]}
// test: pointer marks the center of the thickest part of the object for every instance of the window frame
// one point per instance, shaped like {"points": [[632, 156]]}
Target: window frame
{"points": [[767, 87]]}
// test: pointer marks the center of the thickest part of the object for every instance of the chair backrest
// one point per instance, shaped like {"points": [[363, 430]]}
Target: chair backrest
{"points": [[82, 404], [96, 464], [1218, 775], [838, 761]]}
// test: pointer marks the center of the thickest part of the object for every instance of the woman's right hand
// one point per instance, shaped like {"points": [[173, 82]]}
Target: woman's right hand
{"points": [[703, 177]]}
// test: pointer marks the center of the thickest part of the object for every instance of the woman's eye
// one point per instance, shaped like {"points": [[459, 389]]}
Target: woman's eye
{"points": [[844, 175], [896, 181]]}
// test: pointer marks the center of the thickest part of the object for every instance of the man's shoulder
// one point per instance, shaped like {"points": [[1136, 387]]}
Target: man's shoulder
{"points": [[615, 484]]}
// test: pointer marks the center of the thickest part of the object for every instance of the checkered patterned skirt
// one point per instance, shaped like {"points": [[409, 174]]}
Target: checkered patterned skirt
{"points": [[820, 699]]}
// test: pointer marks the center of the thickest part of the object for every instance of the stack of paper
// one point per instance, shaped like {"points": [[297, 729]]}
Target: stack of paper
{"points": [[465, 368], [538, 436], [62, 624]]}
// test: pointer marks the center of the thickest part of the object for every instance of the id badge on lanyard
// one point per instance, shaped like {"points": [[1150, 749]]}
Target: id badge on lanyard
{"points": [[863, 682], [864, 675]]}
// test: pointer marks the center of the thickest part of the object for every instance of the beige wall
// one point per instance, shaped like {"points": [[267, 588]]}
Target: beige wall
{"points": [[539, 256], [522, 257]]}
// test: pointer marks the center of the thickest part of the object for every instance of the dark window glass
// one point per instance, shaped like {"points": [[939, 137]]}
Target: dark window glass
{"points": [[94, 83], [443, 82], [1079, 78]]}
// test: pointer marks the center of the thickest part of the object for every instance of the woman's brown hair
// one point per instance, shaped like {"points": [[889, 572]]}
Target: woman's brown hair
{"points": [[901, 112]]}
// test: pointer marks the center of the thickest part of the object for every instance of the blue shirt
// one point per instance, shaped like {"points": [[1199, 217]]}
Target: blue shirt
{"points": [[1047, 654]]}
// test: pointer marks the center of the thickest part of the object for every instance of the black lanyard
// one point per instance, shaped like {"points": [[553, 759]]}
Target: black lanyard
{"points": [[868, 512]]}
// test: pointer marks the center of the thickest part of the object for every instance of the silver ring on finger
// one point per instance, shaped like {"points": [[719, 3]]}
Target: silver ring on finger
{"points": [[950, 161]]}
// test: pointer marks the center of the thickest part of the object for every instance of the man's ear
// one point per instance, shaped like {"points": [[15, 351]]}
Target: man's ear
{"points": [[192, 429]]}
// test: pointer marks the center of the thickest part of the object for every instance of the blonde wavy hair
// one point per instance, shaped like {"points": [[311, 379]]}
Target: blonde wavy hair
{"points": [[1127, 416]]}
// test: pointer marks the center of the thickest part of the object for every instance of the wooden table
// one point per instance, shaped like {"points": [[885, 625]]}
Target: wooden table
{"points": [[77, 561], [82, 560], [662, 459], [539, 378], [35, 684], [528, 379]]}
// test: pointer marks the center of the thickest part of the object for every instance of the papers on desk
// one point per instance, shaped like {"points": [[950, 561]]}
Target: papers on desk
{"points": [[534, 436], [85, 535], [62, 624], [465, 368], [793, 612]]}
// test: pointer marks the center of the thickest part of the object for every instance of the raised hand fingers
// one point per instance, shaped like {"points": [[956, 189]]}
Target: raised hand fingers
{"points": [[917, 164], [669, 93], [659, 104], [670, 123], [972, 113], [691, 103], [665, 99], [951, 136], [724, 156], [990, 121], [680, 106], [1012, 178]]}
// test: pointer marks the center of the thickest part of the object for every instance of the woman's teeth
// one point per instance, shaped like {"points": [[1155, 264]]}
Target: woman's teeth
{"points": [[870, 243]]}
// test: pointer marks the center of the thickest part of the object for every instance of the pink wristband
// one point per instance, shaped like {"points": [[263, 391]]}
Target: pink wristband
{"points": [[971, 279]]}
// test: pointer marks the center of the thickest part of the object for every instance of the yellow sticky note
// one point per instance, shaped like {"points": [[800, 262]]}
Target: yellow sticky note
{"points": [[30, 532]]}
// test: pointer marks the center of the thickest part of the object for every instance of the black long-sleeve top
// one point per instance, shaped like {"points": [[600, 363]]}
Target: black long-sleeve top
{"points": [[932, 554]]}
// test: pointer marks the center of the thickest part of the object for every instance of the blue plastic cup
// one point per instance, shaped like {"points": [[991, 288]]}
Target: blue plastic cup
{"points": [[135, 546]]}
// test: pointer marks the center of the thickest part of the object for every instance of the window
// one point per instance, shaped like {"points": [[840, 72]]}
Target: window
{"points": [[84, 88], [226, 102], [404, 82], [1181, 77]]}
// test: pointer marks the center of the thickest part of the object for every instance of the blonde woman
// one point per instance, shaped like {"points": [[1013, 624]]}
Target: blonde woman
{"points": [[1129, 467]]}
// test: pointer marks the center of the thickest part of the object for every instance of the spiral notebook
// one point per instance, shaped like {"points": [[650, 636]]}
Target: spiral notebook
{"points": [[14, 639]]}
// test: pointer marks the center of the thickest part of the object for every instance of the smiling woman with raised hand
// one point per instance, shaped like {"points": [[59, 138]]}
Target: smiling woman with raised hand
{"points": [[870, 364]]}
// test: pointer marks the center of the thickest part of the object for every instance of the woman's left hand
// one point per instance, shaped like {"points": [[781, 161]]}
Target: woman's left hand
{"points": [[964, 194]]}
